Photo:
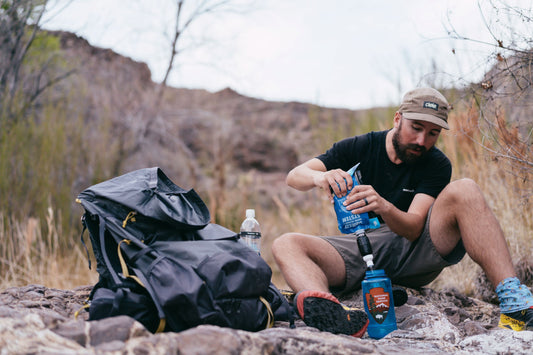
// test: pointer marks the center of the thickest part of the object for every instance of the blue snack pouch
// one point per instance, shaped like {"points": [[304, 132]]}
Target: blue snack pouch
{"points": [[347, 221]]}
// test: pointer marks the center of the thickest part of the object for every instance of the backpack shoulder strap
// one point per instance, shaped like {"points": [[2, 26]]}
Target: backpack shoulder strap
{"points": [[139, 277], [151, 292], [84, 224], [101, 232]]}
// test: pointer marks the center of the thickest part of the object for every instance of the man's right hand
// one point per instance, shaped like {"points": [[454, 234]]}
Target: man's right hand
{"points": [[335, 181], [313, 174]]}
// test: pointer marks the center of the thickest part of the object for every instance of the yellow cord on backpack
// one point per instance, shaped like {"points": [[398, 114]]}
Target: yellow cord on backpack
{"points": [[85, 306], [270, 322], [130, 216], [125, 270], [162, 325]]}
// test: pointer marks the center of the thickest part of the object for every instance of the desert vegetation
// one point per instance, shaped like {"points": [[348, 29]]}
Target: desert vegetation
{"points": [[63, 129]]}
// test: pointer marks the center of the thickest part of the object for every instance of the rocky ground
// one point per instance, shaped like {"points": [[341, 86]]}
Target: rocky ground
{"points": [[38, 320]]}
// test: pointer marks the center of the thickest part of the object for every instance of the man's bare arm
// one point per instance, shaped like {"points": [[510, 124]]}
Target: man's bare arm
{"points": [[305, 176], [407, 224], [313, 173], [411, 223]]}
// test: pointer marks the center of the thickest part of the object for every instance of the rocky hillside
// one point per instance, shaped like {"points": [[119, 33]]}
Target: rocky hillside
{"points": [[197, 136], [185, 131], [38, 320]]}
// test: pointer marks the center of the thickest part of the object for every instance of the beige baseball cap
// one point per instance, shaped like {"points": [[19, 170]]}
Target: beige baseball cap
{"points": [[426, 104]]}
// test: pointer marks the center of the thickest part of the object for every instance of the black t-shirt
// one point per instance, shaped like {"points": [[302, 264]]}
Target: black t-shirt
{"points": [[397, 183]]}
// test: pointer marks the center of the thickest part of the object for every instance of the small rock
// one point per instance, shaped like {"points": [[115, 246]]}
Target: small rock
{"points": [[74, 330], [415, 301], [404, 312], [114, 328], [474, 328], [449, 337]]}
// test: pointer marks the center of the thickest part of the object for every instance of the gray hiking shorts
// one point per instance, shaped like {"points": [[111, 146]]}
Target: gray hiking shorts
{"points": [[410, 264]]}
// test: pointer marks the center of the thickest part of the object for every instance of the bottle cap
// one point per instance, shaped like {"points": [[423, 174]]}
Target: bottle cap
{"points": [[250, 213], [369, 259]]}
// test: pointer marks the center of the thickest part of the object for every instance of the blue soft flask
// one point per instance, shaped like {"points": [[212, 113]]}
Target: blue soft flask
{"points": [[348, 222]]}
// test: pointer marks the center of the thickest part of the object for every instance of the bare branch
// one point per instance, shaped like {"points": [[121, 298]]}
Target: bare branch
{"points": [[182, 25], [506, 96]]}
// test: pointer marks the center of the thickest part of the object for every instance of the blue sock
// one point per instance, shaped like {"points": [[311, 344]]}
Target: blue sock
{"points": [[513, 296]]}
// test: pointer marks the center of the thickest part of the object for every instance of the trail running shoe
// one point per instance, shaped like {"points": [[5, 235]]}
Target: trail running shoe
{"points": [[323, 311], [519, 320]]}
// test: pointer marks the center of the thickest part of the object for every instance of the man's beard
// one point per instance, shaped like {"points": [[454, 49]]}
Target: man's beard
{"points": [[401, 149]]}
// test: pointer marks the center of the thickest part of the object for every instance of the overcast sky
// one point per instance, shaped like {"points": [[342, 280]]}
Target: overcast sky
{"points": [[336, 53]]}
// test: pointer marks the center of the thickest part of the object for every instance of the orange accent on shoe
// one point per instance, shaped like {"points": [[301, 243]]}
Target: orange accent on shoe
{"points": [[302, 295], [360, 333]]}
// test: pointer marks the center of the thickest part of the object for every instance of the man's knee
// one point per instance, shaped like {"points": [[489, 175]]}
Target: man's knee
{"points": [[293, 245], [284, 244], [278, 244], [463, 184], [461, 190]]}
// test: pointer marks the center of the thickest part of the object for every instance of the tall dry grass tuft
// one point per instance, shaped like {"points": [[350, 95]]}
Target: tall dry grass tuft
{"points": [[30, 256]]}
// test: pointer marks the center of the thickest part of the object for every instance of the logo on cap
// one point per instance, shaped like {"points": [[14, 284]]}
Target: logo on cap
{"points": [[431, 105]]}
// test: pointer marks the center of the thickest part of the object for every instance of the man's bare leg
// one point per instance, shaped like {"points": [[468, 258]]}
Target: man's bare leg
{"points": [[461, 212], [308, 262], [310, 266]]}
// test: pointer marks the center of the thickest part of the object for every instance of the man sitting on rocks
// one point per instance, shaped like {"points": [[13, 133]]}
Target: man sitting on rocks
{"points": [[428, 222]]}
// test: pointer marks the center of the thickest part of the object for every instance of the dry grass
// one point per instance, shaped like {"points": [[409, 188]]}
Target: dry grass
{"points": [[29, 256]]}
